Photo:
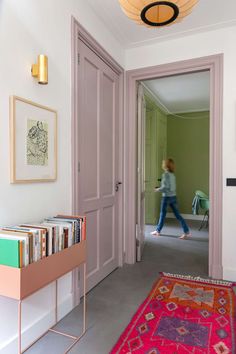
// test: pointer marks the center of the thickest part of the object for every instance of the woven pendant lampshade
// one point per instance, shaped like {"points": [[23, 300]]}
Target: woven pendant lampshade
{"points": [[157, 13]]}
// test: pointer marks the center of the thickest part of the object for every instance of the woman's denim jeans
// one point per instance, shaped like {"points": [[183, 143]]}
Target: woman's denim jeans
{"points": [[172, 202]]}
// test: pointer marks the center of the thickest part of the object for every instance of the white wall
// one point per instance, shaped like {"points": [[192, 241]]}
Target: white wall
{"points": [[194, 46], [28, 28]]}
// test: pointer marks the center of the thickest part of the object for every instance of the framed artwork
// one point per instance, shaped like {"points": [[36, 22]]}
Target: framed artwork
{"points": [[33, 142]]}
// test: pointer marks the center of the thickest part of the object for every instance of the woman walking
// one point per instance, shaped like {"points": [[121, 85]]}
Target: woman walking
{"points": [[168, 190]]}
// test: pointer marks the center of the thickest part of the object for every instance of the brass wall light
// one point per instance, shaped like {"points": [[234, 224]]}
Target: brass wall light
{"points": [[40, 70]]}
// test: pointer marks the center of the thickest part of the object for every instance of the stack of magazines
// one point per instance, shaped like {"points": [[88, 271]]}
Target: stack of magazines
{"points": [[26, 243]]}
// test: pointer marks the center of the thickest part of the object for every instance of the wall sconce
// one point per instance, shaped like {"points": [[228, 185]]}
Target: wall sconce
{"points": [[40, 70]]}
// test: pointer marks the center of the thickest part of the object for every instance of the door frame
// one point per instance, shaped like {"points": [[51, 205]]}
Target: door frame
{"points": [[78, 32], [140, 222], [214, 64]]}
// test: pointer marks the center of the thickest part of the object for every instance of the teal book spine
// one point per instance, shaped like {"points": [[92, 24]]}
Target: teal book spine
{"points": [[10, 252]]}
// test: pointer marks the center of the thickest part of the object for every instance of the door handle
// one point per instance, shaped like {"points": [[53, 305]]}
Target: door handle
{"points": [[117, 186]]}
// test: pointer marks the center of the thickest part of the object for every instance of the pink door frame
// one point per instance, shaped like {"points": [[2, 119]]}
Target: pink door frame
{"points": [[79, 33], [214, 64]]}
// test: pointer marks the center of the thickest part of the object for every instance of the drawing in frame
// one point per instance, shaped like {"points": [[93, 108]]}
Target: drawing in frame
{"points": [[33, 142]]}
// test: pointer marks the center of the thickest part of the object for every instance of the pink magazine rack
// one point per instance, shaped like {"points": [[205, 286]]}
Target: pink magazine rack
{"points": [[19, 283]]}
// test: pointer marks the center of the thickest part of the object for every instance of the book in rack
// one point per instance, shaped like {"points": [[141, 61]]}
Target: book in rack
{"points": [[35, 255], [34, 241]]}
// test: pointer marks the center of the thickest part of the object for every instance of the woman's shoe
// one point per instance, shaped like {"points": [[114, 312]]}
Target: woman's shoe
{"points": [[184, 236], [155, 233]]}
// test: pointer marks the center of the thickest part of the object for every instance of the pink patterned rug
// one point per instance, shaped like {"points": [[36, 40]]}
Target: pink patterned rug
{"points": [[183, 315]]}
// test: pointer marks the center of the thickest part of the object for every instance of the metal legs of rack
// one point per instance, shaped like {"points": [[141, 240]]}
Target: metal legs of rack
{"points": [[75, 338]]}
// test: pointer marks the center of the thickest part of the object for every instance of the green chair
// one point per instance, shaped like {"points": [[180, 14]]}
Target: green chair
{"points": [[204, 205]]}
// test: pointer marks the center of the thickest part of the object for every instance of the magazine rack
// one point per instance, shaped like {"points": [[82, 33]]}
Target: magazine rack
{"points": [[19, 283]]}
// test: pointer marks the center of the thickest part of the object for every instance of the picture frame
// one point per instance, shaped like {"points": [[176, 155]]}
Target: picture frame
{"points": [[33, 142]]}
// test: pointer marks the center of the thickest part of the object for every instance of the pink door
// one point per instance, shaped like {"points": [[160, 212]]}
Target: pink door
{"points": [[140, 223], [98, 166]]}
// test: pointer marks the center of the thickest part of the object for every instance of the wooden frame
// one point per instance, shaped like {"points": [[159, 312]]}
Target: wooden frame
{"points": [[214, 64], [40, 168]]}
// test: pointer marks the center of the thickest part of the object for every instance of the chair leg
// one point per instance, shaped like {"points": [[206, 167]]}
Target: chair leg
{"points": [[202, 223], [207, 219], [204, 220]]}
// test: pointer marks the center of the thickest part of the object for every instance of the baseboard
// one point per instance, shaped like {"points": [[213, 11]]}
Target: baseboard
{"points": [[186, 216], [216, 271], [37, 328], [229, 274]]}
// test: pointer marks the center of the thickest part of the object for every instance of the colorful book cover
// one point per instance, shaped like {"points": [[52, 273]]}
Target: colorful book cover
{"points": [[17, 231], [55, 235], [49, 239], [77, 217], [63, 225], [74, 235], [66, 237], [10, 252], [43, 237]]}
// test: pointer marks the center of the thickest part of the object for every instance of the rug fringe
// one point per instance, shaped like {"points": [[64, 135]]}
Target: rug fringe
{"points": [[200, 279]]}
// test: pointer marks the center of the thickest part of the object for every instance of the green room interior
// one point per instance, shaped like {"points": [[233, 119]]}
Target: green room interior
{"points": [[186, 140]]}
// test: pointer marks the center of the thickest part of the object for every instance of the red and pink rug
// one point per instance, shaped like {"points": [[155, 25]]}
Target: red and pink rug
{"points": [[183, 315]]}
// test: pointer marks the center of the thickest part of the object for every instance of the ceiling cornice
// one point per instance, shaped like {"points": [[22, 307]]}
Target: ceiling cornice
{"points": [[181, 34]]}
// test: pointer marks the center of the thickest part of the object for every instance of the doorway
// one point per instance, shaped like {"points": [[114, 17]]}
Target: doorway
{"points": [[177, 125], [214, 65]]}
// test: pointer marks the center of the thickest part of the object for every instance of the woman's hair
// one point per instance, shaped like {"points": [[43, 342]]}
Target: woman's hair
{"points": [[168, 165]]}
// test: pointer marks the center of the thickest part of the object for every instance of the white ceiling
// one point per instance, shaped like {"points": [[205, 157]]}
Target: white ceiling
{"points": [[182, 93], [206, 15]]}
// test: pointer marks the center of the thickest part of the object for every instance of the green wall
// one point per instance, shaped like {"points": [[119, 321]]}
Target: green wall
{"points": [[188, 145]]}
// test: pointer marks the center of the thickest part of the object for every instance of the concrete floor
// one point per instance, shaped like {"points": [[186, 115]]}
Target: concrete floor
{"points": [[112, 303]]}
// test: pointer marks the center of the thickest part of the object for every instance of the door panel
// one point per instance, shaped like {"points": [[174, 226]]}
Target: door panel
{"points": [[98, 156], [150, 168], [92, 245], [140, 227], [107, 253], [89, 127], [161, 150], [156, 146], [107, 137]]}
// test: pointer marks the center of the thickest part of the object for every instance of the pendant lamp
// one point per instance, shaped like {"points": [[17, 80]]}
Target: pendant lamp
{"points": [[152, 13]]}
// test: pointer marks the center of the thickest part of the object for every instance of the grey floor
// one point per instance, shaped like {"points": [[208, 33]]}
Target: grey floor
{"points": [[112, 303]]}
